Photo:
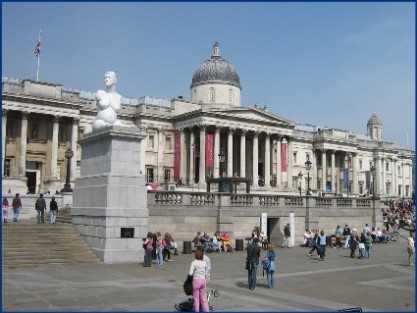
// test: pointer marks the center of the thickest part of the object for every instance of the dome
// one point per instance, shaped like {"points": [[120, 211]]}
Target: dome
{"points": [[216, 70], [374, 120]]}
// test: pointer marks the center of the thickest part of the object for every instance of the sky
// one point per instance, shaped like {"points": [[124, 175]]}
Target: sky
{"points": [[319, 63]]}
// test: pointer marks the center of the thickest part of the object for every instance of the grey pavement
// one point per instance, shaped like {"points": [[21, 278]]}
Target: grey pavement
{"points": [[385, 282]]}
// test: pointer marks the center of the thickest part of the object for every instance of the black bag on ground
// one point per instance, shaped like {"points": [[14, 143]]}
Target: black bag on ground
{"points": [[188, 285]]}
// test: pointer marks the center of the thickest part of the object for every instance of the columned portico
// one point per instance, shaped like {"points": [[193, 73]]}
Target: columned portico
{"points": [[333, 171], [243, 154], [255, 159], [202, 168], [278, 161], [324, 169], [23, 144], [230, 152], [267, 161], [216, 152]]}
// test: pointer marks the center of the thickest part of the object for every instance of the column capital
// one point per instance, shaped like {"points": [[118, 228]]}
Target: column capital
{"points": [[4, 112], [56, 118], [75, 120], [25, 115]]}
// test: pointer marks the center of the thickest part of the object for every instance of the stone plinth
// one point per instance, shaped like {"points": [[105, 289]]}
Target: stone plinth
{"points": [[110, 200]]}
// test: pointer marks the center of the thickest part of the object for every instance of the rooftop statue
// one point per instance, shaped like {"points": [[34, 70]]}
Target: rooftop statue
{"points": [[108, 103]]}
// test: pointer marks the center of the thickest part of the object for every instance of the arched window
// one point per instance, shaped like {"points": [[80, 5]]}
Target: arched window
{"points": [[212, 95]]}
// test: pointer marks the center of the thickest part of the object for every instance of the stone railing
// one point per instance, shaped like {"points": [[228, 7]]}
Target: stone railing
{"points": [[183, 198]]}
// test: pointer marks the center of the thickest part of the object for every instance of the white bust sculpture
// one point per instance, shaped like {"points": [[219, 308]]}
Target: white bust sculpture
{"points": [[108, 103]]}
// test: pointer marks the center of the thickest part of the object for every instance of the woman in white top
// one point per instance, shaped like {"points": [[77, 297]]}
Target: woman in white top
{"points": [[198, 270], [410, 248]]}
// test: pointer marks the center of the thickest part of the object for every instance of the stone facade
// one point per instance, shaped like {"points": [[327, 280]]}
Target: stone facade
{"points": [[42, 120]]}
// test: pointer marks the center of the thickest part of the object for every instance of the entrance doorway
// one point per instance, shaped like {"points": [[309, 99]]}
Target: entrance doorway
{"points": [[273, 230], [31, 181]]}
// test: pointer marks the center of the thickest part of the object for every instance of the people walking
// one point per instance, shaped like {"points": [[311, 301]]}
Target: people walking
{"points": [[368, 245], [5, 209], [354, 241], [252, 259], [315, 244], [411, 248], [287, 236], [323, 244], [148, 246], [271, 255], [159, 250], [198, 269], [338, 235], [17, 207], [346, 234], [40, 206], [53, 209]]}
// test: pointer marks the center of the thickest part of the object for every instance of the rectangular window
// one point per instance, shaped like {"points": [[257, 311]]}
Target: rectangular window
{"points": [[151, 142], [399, 171], [387, 166], [294, 157], [399, 190], [168, 143], [7, 166], [407, 190], [9, 129], [34, 131], [150, 175], [167, 175], [360, 164]]}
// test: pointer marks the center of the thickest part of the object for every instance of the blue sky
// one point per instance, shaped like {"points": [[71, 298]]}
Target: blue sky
{"points": [[326, 64]]}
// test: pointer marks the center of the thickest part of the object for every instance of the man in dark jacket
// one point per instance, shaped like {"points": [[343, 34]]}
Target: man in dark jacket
{"points": [[40, 207], [53, 208], [252, 259]]}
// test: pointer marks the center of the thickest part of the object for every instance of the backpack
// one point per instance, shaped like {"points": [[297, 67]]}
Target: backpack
{"points": [[266, 264]]}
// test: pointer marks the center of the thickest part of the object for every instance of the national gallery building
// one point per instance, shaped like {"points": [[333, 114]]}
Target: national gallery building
{"points": [[210, 135]]}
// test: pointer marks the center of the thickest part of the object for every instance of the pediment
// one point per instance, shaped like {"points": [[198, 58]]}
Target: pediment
{"points": [[254, 116]]}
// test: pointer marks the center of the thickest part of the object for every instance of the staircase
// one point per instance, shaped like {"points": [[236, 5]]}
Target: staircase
{"points": [[28, 244]]}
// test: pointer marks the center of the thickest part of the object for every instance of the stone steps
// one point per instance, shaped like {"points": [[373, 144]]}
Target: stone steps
{"points": [[28, 244]]}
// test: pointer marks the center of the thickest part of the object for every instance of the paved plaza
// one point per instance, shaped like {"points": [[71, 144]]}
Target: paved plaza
{"points": [[383, 283]]}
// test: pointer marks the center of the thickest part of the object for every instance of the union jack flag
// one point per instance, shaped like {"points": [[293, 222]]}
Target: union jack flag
{"points": [[38, 46]]}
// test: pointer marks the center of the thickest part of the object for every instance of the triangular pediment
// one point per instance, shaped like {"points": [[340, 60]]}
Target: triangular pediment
{"points": [[253, 115]]}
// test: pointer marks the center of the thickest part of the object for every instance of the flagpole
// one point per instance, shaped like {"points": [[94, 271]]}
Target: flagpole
{"points": [[38, 54], [37, 72]]}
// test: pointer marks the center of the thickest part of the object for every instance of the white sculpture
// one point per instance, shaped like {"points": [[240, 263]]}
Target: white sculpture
{"points": [[108, 103]]}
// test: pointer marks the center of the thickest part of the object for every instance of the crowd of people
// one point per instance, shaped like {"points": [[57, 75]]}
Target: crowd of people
{"points": [[400, 212], [159, 248], [219, 242]]}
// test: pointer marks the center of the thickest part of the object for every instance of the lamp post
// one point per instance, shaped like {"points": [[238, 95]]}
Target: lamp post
{"points": [[68, 155], [222, 158], [300, 176], [373, 172], [308, 167]]}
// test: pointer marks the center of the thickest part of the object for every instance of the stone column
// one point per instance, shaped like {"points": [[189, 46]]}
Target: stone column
{"points": [[354, 175], [74, 148], [54, 148], [216, 152], [192, 155], [267, 161], [230, 153], [3, 143], [279, 171], [183, 155], [313, 180], [23, 144], [290, 162], [255, 160], [394, 178], [383, 179], [403, 178], [160, 156], [324, 170], [202, 174], [333, 177], [142, 167], [243, 153], [380, 176]]}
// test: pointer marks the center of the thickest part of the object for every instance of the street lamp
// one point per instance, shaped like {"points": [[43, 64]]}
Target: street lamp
{"points": [[222, 158], [300, 176], [308, 167], [68, 155]]}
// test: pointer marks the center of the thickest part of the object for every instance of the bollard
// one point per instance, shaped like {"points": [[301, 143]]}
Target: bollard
{"points": [[186, 247], [239, 245]]}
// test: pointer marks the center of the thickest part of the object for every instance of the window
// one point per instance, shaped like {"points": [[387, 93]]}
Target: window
{"points": [[34, 131], [168, 143], [388, 188], [407, 190], [360, 164], [387, 166], [212, 95], [399, 171], [399, 190], [9, 129], [167, 175], [294, 158], [150, 175], [151, 142], [7, 166], [61, 134]]}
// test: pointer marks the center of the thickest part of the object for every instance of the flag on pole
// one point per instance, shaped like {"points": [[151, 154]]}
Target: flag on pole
{"points": [[38, 46]]}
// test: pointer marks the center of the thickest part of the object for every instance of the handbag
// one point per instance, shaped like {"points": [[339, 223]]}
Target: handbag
{"points": [[188, 285], [248, 264]]}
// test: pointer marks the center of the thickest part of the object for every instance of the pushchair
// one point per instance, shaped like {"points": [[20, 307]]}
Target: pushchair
{"points": [[188, 305]]}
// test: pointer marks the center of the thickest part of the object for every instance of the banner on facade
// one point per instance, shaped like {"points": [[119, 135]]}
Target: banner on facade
{"points": [[346, 178], [284, 163], [177, 156], [209, 153], [368, 180]]}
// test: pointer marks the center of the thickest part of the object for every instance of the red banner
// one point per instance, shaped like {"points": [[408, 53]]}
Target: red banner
{"points": [[284, 163], [209, 150], [177, 156]]}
